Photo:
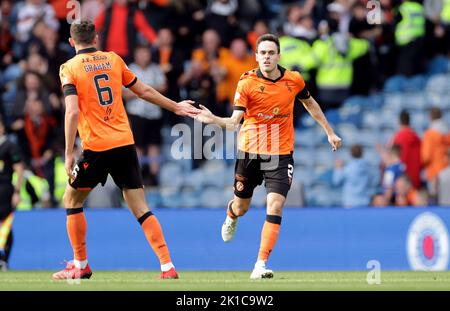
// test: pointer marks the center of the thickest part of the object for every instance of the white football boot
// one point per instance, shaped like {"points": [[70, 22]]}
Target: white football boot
{"points": [[260, 271], [229, 229]]}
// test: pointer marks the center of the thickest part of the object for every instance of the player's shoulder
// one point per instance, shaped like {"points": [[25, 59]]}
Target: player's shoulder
{"points": [[248, 76], [293, 74], [69, 63]]}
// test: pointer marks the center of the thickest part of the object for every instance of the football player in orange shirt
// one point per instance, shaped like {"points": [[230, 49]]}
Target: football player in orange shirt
{"points": [[265, 98], [92, 83]]}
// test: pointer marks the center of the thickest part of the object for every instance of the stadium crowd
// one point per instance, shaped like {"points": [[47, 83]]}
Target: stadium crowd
{"points": [[197, 49]]}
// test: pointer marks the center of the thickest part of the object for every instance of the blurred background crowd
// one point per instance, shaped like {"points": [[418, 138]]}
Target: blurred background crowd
{"points": [[379, 69]]}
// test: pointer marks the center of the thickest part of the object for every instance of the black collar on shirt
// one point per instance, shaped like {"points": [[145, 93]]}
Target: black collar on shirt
{"points": [[87, 50], [260, 74]]}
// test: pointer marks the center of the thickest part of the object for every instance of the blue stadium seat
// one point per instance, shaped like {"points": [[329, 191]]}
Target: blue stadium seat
{"points": [[304, 157], [414, 100], [375, 102], [437, 65], [304, 175], [333, 116], [415, 83], [171, 174], [372, 156], [348, 133], [353, 113], [170, 196], [439, 84], [395, 84], [359, 101], [212, 197], [371, 120], [393, 101]]}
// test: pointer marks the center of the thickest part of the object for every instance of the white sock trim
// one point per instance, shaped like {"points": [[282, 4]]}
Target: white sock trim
{"points": [[167, 267], [80, 264]]}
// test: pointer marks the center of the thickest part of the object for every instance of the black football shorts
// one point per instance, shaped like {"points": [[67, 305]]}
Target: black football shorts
{"points": [[121, 163], [252, 169]]}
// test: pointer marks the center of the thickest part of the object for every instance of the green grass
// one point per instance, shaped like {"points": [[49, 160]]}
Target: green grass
{"points": [[229, 280]]}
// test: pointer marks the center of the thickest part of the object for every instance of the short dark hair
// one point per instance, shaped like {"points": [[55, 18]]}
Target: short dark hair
{"points": [[83, 32], [435, 113], [404, 117], [356, 151], [268, 37]]}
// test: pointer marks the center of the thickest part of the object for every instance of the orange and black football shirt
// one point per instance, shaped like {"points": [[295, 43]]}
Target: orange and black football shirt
{"points": [[97, 78], [268, 127]]}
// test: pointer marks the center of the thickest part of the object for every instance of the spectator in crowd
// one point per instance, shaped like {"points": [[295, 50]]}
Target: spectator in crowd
{"points": [[171, 61], [233, 66], [6, 38], [28, 13], [296, 54], [259, 28], [118, 26], [220, 16], [11, 163], [378, 200], [146, 120], [31, 85], [435, 143], [394, 169], [200, 87], [422, 198], [90, 9], [363, 71], [55, 51], [409, 37], [34, 192], [335, 56], [187, 20], [409, 144], [62, 9], [405, 193], [209, 56], [443, 184], [157, 12], [36, 134], [356, 177]]}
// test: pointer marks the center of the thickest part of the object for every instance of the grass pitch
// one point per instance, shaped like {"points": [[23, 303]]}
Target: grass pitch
{"points": [[228, 280]]}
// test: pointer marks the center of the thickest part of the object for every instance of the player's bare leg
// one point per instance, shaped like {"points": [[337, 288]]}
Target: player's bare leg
{"points": [[135, 199], [269, 235], [236, 208], [76, 229]]}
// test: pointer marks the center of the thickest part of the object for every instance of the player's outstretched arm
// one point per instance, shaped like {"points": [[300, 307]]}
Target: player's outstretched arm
{"points": [[231, 123], [70, 130], [314, 110], [149, 94]]}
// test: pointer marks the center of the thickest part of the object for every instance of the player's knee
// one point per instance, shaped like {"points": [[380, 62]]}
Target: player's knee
{"points": [[274, 207], [70, 201]]}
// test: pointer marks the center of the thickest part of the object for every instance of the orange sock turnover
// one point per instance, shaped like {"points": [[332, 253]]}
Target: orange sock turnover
{"points": [[76, 229], [153, 233], [269, 236]]}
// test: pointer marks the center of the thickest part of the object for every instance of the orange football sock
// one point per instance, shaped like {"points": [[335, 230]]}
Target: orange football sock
{"points": [[153, 233], [269, 236], [76, 229]]}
